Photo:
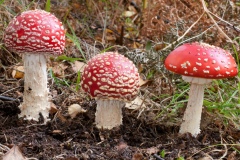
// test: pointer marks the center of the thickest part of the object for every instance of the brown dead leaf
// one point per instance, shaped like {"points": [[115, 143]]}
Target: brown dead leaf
{"points": [[110, 36], [58, 69], [137, 156], [129, 13], [18, 72], [71, 158], [205, 158], [152, 150], [61, 117], [109, 31], [78, 66], [136, 104], [136, 45], [121, 146], [14, 154], [76, 5], [53, 108], [143, 82], [232, 156], [140, 67]]}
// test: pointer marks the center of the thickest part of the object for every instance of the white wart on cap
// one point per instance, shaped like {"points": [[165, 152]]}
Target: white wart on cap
{"points": [[35, 31]]}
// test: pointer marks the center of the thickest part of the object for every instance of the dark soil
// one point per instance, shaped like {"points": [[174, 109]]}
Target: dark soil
{"points": [[138, 139]]}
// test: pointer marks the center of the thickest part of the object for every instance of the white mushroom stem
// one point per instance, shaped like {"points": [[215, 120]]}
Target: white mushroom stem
{"points": [[35, 97], [108, 113], [192, 115]]}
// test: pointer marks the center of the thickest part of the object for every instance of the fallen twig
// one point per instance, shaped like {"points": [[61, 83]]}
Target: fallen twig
{"points": [[157, 157], [222, 20], [4, 98], [210, 16], [170, 45]]}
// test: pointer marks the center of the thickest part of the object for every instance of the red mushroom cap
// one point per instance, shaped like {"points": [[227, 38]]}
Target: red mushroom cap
{"points": [[35, 31], [201, 60], [111, 76]]}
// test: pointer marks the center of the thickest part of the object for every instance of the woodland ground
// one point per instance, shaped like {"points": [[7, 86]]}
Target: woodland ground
{"points": [[144, 31]]}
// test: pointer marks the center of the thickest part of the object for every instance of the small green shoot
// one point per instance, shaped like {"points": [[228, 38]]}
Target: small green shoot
{"points": [[162, 153], [66, 58], [180, 158], [1, 1], [75, 40], [57, 80], [24, 6], [177, 101], [148, 46], [48, 6], [78, 80], [106, 49], [150, 74]]}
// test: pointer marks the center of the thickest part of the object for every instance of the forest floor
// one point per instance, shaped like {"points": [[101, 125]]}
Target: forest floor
{"points": [[147, 33]]}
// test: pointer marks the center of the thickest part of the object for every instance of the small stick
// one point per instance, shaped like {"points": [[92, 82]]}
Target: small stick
{"points": [[7, 98], [210, 16], [157, 157], [170, 45], [222, 20]]}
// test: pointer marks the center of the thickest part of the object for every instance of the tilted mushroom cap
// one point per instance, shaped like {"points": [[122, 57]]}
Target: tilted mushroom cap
{"points": [[111, 76], [201, 60], [35, 31]]}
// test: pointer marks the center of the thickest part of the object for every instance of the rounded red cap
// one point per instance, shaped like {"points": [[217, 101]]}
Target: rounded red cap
{"points": [[35, 31], [111, 76], [201, 60]]}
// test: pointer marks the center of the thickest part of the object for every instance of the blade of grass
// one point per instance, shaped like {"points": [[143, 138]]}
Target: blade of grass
{"points": [[78, 80], [174, 101], [75, 40], [25, 6], [58, 81], [48, 6], [106, 49], [1, 1], [66, 58]]}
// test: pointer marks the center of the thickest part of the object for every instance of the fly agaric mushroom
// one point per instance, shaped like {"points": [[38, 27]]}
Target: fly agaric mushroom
{"points": [[199, 63], [111, 79], [35, 33]]}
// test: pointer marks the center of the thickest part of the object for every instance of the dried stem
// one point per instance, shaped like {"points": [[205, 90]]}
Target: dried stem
{"points": [[170, 45], [208, 13]]}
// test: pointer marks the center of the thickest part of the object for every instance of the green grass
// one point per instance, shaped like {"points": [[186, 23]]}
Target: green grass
{"points": [[220, 97], [67, 58], [72, 36], [78, 80], [176, 101], [1, 2], [48, 6], [59, 81]]}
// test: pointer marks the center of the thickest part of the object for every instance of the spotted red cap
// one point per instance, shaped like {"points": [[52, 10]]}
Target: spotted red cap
{"points": [[111, 76], [201, 60], [35, 31]]}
